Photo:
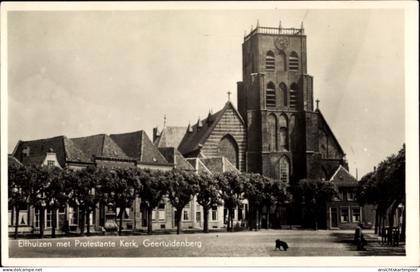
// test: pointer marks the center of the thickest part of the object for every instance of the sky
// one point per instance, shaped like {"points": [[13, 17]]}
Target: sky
{"points": [[79, 73]]}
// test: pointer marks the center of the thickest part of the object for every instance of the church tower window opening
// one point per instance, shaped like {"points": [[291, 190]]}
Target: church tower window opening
{"points": [[284, 170], [293, 61], [270, 61], [293, 96], [272, 132], [283, 133], [270, 96]]}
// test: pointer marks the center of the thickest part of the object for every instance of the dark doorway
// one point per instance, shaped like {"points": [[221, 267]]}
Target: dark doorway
{"points": [[334, 219]]}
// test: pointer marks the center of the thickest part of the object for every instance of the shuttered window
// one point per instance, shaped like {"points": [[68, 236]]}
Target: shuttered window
{"points": [[270, 96], [270, 62], [293, 61]]}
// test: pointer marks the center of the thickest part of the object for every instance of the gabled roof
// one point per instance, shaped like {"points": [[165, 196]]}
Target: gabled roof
{"points": [[219, 165], [137, 145], [172, 155], [170, 137], [342, 177], [100, 145], [329, 130], [197, 136], [34, 152]]}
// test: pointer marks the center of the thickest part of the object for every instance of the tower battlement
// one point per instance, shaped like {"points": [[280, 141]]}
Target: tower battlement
{"points": [[275, 31]]}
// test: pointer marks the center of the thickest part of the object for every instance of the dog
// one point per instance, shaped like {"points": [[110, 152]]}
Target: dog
{"points": [[281, 244]]}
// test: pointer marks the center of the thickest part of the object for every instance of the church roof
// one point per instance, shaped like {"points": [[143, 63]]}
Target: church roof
{"points": [[34, 152], [137, 145], [170, 137], [198, 134], [342, 177], [219, 165], [172, 155], [100, 145], [330, 131]]}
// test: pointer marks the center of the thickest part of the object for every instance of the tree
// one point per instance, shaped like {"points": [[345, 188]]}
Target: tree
{"points": [[232, 187], [127, 184], [18, 191], [82, 184], [56, 194], [182, 187], [255, 191], [315, 194], [208, 196], [153, 188], [385, 188]]}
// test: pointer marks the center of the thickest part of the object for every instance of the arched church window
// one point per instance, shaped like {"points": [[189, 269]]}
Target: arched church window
{"points": [[284, 169], [293, 61], [283, 94], [293, 95], [283, 133], [282, 61], [228, 148], [272, 132], [270, 61], [270, 96]]}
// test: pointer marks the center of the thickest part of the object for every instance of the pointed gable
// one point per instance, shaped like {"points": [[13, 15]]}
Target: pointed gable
{"points": [[342, 177], [195, 139], [172, 155], [137, 145], [330, 133], [170, 137]]}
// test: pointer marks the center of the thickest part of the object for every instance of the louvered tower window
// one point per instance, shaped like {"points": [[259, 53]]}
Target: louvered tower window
{"points": [[270, 61], [293, 96], [293, 61], [270, 96]]}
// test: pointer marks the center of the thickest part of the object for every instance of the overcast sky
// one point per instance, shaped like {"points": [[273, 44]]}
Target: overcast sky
{"points": [[82, 73]]}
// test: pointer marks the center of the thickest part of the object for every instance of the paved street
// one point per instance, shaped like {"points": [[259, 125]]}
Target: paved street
{"points": [[239, 244]]}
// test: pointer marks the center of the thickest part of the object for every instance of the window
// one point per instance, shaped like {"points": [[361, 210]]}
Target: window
{"points": [[355, 215], [187, 205], [162, 215], [283, 133], [283, 94], [344, 214], [270, 61], [351, 196], [198, 216], [272, 132], [293, 61], [186, 216], [214, 213], [284, 170], [50, 163], [49, 218], [293, 96], [270, 96]]}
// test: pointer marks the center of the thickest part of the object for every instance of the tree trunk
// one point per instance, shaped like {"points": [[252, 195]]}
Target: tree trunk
{"points": [[232, 215], [82, 221], [41, 223], [391, 222], [376, 221], [149, 220], [88, 222], [121, 219], [206, 219], [16, 222], [257, 219], [54, 222], [403, 226], [178, 220]]}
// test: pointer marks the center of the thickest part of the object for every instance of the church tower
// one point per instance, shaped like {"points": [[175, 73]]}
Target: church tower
{"points": [[273, 98]]}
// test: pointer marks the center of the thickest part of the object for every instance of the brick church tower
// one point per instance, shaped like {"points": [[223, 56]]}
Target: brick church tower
{"points": [[287, 139]]}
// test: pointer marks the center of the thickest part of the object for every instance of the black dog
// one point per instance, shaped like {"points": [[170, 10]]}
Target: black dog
{"points": [[281, 244]]}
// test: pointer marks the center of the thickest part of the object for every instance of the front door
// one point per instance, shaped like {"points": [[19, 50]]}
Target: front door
{"points": [[334, 219]]}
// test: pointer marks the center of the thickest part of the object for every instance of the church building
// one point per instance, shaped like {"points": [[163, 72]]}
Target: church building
{"points": [[276, 131]]}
